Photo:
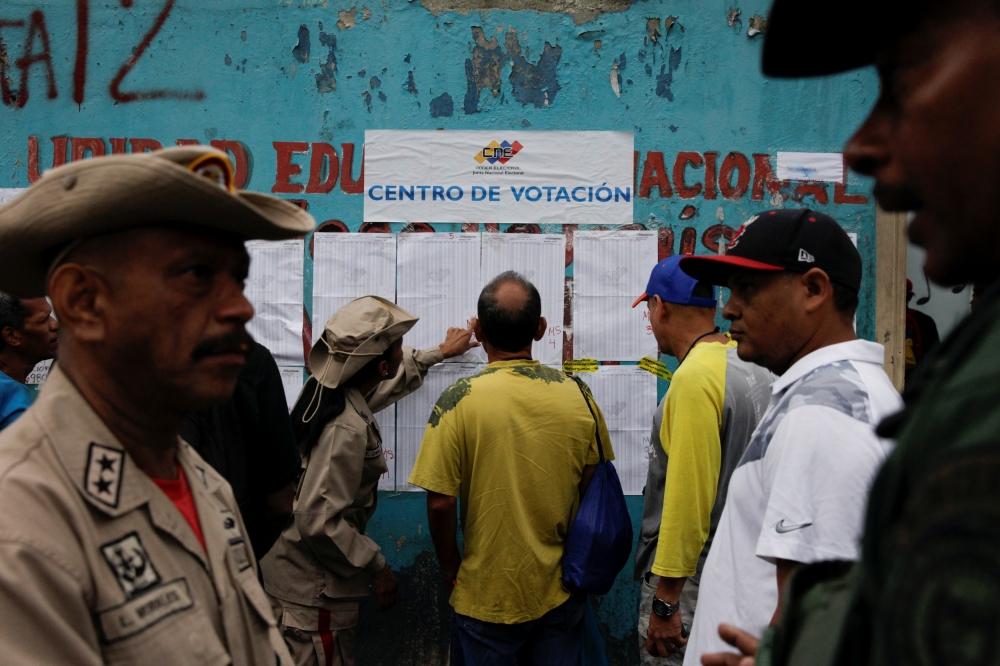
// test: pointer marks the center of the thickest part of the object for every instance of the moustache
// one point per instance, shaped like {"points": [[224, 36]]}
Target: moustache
{"points": [[897, 198], [236, 342]]}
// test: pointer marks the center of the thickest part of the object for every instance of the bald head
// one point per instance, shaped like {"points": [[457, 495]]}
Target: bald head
{"points": [[509, 311]]}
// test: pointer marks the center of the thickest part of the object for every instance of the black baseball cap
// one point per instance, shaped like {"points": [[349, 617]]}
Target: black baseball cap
{"points": [[819, 37], [784, 240]]}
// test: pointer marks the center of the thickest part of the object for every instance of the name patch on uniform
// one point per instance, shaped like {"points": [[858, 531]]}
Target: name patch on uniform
{"points": [[103, 476], [131, 564], [145, 610], [373, 453], [238, 548]]}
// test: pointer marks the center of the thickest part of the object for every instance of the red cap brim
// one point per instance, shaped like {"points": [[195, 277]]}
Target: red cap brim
{"points": [[640, 299], [717, 269]]}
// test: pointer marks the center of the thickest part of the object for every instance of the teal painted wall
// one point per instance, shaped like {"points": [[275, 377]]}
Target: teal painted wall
{"points": [[84, 77]]}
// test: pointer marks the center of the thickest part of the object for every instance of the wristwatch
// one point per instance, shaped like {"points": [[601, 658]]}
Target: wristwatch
{"points": [[665, 610]]}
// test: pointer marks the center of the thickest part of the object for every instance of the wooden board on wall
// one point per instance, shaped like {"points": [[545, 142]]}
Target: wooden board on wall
{"points": [[890, 292]]}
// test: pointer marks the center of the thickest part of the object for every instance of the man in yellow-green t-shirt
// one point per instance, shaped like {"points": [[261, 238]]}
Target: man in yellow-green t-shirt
{"points": [[700, 430], [517, 442]]}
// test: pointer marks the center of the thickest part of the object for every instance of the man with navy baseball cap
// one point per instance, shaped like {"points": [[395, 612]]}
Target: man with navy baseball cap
{"points": [[701, 428], [797, 496]]}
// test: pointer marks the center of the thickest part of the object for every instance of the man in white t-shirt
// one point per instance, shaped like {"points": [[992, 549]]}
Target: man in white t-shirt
{"points": [[799, 491]]}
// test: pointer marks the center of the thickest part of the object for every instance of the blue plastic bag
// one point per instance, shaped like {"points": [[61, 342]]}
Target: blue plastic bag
{"points": [[600, 538]]}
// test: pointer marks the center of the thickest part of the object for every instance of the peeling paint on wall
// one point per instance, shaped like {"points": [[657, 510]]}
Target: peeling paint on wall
{"points": [[666, 76], [345, 20], [326, 80], [758, 26], [301, 50], [581, 10], [533, 84], [652, 30], [733, 17], [410, 86], [442, 106], [482, 70]]}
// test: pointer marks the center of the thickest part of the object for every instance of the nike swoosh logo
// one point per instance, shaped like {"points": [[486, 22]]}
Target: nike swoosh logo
{"points": [[781, 527]]}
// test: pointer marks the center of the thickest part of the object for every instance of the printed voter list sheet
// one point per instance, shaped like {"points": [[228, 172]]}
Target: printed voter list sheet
{"points": [[274, 286], [437, 277], [348, 266], [414, 410], [610, 270], [386, 420], [541, 259], [292, 380], [626, 395]]}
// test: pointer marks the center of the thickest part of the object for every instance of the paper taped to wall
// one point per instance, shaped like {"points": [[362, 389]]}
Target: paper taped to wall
{"points": [[292, 380], [10, 193], [438, 280], [541, 259], [610, 270], [626, 395], [414, 410], [274, 286], [828, 167], [349, 266]]}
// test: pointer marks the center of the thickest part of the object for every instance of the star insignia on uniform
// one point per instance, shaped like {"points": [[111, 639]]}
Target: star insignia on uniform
{"points": [[103, 486], [107, 464]]}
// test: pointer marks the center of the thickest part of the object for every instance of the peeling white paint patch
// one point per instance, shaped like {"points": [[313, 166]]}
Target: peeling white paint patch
{"points": [[733, 16], [366, 13], [758, 25], [720, 214], [615, 86]]}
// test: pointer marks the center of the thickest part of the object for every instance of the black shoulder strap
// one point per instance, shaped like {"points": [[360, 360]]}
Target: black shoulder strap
{"points": [[597, 426]]}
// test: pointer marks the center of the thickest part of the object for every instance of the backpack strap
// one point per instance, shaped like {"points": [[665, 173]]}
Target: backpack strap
{"points": [[597, 427]]}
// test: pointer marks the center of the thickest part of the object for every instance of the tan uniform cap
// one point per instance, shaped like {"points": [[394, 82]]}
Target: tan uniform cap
{"points": [[356, 334], [189, 184]]}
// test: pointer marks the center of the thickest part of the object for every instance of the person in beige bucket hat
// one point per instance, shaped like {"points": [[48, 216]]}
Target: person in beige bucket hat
{"points": [[118, 544], [359, 367]]}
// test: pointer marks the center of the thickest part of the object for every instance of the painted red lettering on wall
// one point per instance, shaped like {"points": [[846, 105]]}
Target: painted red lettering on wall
{"points": [[738, 163], [347, 182], [654, 173], [286, 170], [680, 165], [324, 166]]}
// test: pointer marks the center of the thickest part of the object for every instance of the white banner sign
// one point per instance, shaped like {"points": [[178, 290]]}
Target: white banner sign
{"points": [[510, 176]]}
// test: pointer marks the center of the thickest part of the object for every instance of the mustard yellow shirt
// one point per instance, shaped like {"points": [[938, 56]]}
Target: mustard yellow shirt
{"points": [[689, 434], [511, 442]]}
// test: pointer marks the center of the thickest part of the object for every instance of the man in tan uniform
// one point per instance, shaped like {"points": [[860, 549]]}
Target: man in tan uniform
{"points": [[324, 563], [118, 544]]}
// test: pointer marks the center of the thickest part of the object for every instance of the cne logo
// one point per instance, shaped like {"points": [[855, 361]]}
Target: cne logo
{"points": [[498, 152]]}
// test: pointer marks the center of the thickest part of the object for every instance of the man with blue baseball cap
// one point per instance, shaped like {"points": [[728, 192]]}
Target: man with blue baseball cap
{"points": [[701, 427]]}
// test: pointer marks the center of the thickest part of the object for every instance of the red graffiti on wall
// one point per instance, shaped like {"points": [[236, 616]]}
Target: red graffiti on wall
{"points": [[38, 51]]}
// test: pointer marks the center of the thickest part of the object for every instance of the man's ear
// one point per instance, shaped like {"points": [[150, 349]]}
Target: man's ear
{"points": [[11, 336], [80, 297], [477, 329], [818, 289], [655, 301], [542, 327]]}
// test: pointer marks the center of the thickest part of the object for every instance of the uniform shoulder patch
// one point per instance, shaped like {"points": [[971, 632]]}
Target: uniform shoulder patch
{"points": [[103, 473], [131, 565]]}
